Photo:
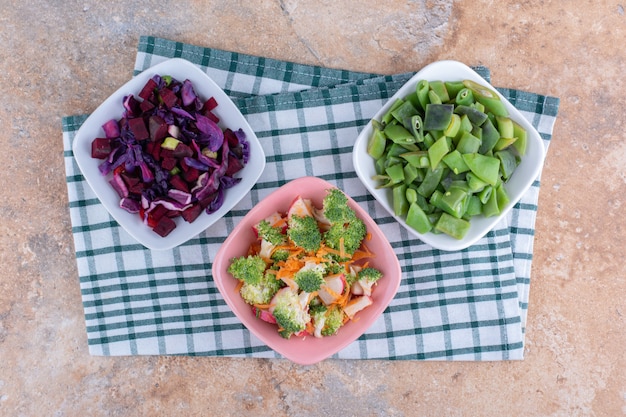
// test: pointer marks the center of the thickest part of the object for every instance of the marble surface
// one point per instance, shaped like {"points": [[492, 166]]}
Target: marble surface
{"points": [[64, 57]]}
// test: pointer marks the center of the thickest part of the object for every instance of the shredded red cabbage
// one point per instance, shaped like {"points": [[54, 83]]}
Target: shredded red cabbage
{"points": [[187, 175]]}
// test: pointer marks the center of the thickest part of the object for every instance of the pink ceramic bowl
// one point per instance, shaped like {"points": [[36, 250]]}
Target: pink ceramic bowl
{"points": [[307, 350]]}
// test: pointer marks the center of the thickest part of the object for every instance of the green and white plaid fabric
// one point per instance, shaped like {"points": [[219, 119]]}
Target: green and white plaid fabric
{"points": [[466, 305]]}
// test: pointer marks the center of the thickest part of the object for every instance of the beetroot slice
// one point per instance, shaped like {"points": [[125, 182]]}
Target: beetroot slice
{"points": [[168, 163], [191, 174], [138, 127], [158, 128], [177, 182], [212, 116], [158, 212], [182, 151], [100, 148], [169, 97], [148, 89], [210, 104], [234, 165], [190, 214], [146, 106], [164, 226]]}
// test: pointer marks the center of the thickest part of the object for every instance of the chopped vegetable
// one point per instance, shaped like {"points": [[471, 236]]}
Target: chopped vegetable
{"points": [[308, 270], [167, 151], [454, 165]]}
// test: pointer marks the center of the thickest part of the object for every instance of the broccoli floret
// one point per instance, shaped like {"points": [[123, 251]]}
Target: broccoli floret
{"points": [[369, 274], [317, 311], [333, 267], [326, 320], [351, 278], [289, 313], [345, 227], [263, 291], [334, 320], [280, 255], [335, 207], [305, 233], [248, 269], [351, 233], [270, 233], [309, 280], [367, 277]]}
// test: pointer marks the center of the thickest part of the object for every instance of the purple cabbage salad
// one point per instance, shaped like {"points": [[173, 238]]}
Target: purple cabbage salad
{"points": [[167, 157]]}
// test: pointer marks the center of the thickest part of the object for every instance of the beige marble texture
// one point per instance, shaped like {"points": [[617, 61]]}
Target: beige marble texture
{"points": [[64, 57]]}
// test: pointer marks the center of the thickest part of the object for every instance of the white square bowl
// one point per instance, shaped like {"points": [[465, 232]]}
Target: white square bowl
{"points": [[112, 108], [521, 180]]}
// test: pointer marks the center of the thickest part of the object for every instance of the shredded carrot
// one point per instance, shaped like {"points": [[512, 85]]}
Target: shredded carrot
{"points": [[282, 222], [310, 328], [344, 298], [254, 249], [290, 267], [342, 248], [362, 253], [326, 250], [239, 285]]}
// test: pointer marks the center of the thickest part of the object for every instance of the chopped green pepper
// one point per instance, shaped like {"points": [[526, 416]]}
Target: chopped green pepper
{"points": [[438, 116], [520, 133], [437, 151], [439, 88], [395, 173], [490, 137], [398, 134], [505, 126], [490, 206], [422, 88], [454, 161], [377, 144], [403, 114], [453, 88], [508, 163], [484, 167], [475, 184], [468, 143], [453, 127], [400, 203], [465, 97], [475, 116], [431, 181], [417, 219], [487, 98], [418, 159], [388, 117], [410, 173], [457, 228]]}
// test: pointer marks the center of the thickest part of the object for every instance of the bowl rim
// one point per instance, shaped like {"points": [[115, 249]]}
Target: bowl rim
{"points": [[290, 349], [111, 107], [532, 162]]}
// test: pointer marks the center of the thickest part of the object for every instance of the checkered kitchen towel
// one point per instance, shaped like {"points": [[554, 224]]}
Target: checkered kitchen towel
{"points": [[466, 305]]}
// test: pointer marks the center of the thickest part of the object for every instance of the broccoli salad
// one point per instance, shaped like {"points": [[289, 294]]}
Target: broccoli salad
{"points": [[308, 271]]}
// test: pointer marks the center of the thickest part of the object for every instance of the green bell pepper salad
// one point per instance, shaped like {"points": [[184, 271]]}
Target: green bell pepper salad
{"points": [[447, 150]]}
